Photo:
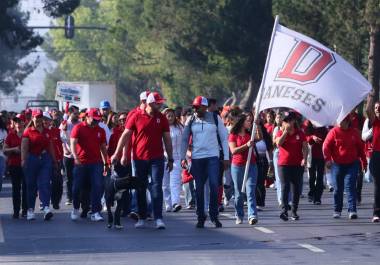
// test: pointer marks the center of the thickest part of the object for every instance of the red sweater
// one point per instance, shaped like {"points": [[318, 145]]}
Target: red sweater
{"points": [[316, 150], [344, 146]]}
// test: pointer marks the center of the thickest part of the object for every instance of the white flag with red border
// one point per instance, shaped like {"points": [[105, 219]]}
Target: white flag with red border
{"points": [[308, 77]]}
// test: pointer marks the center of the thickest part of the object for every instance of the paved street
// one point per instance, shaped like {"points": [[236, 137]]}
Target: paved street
{"points": [[315, 239]]}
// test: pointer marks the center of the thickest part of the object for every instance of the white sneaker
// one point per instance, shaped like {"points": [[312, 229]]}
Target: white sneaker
{"points": [[96, 217], [238, 221], [336, 215], [47, 213], [168, 209], [140, 224], [75, 214], [160, 224], [30, 215], [352, 215]]}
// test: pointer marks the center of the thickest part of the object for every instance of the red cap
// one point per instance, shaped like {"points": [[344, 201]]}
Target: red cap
{"points": [[200, 101], [28, 111], [37, 113], [155, 97], [94, 113]]}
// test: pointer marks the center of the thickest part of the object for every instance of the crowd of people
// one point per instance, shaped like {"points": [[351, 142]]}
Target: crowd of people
{"points": [[200, 152]]}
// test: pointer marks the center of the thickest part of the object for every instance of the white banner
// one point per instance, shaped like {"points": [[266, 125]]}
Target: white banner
{"points": [[69, 92], [306, 76]]}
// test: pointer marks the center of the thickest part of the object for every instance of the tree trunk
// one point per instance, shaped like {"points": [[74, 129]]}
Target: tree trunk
{"points": [[247, 101], [374, 59]]}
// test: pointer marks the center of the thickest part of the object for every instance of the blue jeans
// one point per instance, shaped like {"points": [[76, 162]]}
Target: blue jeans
{"points": [[203, 169], [237, 173], [38, 172], [93, 174], [154, 168], [344, 178], [2, 170]]}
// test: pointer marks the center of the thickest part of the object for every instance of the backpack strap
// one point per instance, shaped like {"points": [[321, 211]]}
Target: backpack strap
{"points": [[215, 115]]}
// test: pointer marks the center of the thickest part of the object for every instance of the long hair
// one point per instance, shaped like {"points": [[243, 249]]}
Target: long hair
{"points": [[236, 128], [176, 123]]}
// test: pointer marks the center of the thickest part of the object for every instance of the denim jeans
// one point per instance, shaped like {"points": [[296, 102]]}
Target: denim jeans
{"points": [[344, 178], [154, 168], [237, 173], [189, 191], [93, 174], [38, 172], [202, 170]]}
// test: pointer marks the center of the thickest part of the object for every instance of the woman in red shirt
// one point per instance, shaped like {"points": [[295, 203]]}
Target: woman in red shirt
{"points": [[37, 157], [239, 143], [342, 149], [293, 150], [12, 149]]}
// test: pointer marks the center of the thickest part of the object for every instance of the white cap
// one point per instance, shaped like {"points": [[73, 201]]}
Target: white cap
{"points": [[46, 114], [144, 95]]}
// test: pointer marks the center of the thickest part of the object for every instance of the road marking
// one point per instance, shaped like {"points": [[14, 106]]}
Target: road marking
{"points": [[311, 248], [264, 230], [1, 233], [228, 215]]}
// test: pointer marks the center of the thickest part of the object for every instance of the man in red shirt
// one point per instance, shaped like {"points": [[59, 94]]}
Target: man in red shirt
{"points": [[150, 129], [88, 146]]}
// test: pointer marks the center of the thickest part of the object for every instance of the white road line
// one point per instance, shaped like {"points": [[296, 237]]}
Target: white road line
{"points": [[1, 233], [264, 230], [311, 248], [228, 215]]}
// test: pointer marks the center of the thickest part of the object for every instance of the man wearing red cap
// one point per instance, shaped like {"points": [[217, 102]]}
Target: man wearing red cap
{"points": [[88, 146], [205, 156], [150, 128]]}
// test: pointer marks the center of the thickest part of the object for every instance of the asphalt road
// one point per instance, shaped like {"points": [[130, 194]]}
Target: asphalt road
{"points": [[316, 238]]}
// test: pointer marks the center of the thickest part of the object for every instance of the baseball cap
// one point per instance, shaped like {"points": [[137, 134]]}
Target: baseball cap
{"points": [[37, 113], [46, 115], [155, 98], [94, 113], [144, 95], [200, 101], [104, 104]]}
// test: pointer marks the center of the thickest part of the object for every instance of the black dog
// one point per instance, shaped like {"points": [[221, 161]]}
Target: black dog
{"points": [[116, 189]]}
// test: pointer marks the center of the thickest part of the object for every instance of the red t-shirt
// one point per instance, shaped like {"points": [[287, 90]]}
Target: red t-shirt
{"points": [[240, 159], [344, 146], [13, 140], [269, 127], [38, 141], [90, 139], [376, 135], [148, 131], [290, 152], [57, 143]]}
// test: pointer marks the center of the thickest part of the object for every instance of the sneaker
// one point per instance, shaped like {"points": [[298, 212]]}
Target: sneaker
{"points": [[41, 207], [295, 217], [30, 215], [140, 224], [56, 206], [47, 213], [74, 214], [216, 223], [353, 215], [24, 213], [201, 222], [284, 216], [96, 217], [69, 202], [272, 186], [376, 219], [331, 188], [239, 220], [177, 207], [252, 220], [160, 224], [317, 203], [149, 217], [336, 215], [16, 215], [168, 209], [226, 202], [133, 216], [84, 214]]}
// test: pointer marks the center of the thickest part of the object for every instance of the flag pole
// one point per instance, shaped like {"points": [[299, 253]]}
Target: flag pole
{"points": [[258, 102]]}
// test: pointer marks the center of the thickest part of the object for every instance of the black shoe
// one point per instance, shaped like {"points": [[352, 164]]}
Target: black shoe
{"points": [[221, 208], [24, 213], [84, 214], [177, 208], [284, 216], [310, 198], [216, 223], [56, 206], [201, 223], [16, 215], [134, 216], [295, 217]]}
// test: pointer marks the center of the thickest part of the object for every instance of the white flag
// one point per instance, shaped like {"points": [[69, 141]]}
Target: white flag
{"points": [[306, 76]]}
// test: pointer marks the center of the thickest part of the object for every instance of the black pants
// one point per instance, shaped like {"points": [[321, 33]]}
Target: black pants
{"points": [[125, 202], [18, 189], [262, 171], [68, 165], [316, 172], [290, 177], [374, 167], [359, 184], [57, 185]]}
